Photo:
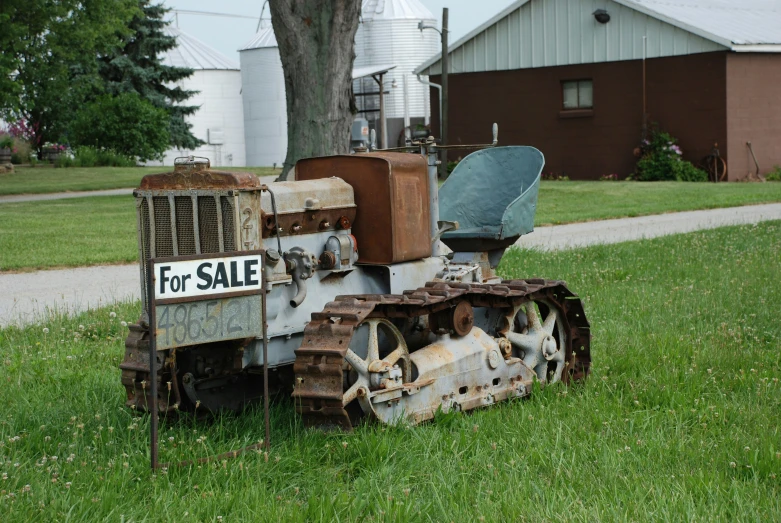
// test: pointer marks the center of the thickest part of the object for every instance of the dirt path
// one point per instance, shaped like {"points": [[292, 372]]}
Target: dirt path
{"points": [[28, 297]]}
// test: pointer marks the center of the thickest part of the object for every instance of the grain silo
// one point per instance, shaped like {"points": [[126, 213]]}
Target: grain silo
{"points": [[218, 122], [389, 34], [265, 109]]}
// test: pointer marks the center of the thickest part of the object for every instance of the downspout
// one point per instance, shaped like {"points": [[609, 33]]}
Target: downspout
{"points": [[437, 86]]}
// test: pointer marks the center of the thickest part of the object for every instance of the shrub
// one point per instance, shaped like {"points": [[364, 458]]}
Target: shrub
{"points": [[21, 151], [661, 160], [87, 156], [774, 175], [6, 141], [126, 124]]}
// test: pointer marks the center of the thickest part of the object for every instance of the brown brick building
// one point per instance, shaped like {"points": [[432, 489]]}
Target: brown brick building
{"points": [[568, 79]]}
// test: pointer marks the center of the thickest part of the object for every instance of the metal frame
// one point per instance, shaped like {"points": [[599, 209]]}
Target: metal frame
{"points": [[152, 310]]}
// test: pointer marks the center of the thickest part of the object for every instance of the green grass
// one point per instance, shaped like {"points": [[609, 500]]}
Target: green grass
{"points": [[73, 232], [680, 420], [38, 180], [566, 202], [39, 235]]}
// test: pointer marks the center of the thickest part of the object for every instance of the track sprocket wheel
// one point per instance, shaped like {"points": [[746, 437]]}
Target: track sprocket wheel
{"points": [[378, 357], [538, 334]]}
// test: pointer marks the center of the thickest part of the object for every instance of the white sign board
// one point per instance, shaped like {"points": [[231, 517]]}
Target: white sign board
{"points": [[206, 277]]}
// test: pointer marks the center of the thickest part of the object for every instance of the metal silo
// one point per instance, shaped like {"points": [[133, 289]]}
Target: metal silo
{"points": [[389, 34], [217, 82], [265, 109]]}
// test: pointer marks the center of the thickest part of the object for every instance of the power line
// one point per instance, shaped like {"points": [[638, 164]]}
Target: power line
{"points": [[208, 13]]}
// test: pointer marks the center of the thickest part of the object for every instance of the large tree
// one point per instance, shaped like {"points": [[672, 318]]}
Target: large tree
{"points": [[49, 52], [137, 67], [315, 40]]}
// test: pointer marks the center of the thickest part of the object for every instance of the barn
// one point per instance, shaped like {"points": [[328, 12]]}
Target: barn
{"points": [[580, 79]]}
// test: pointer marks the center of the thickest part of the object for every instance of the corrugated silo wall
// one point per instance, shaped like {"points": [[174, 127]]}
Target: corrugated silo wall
{"points": [[399, 43], [220, 109], [265, 109]]}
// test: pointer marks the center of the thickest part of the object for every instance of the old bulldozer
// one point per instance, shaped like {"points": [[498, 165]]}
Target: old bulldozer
{"points": [[381, 296]]}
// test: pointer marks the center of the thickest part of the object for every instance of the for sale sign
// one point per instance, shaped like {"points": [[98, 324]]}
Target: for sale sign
{"points": [[206, 298], [205, 277]]}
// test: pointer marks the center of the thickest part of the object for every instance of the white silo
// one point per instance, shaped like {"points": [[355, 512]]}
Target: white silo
{"points": [[389, 34], [265, 109], [218, 122]]}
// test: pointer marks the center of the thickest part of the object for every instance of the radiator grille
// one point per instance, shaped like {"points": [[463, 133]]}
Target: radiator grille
{"points": [[227, 223], [185, 233], [164, 243], [207, 221], [157, 234]]}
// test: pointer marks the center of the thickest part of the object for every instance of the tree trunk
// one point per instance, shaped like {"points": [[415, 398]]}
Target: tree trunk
{"points": [[316, 40]]}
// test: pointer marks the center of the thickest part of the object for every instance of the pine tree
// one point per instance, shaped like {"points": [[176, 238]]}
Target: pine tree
{"points": [[137, 67]]}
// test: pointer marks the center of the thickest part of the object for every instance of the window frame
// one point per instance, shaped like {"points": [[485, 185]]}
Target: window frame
{"points": [[577, 82]]}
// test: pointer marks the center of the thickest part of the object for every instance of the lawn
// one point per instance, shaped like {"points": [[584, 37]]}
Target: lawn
{"points": [[680, 420], [36, 235], [73, 232], [47, 180], [566, 202]]}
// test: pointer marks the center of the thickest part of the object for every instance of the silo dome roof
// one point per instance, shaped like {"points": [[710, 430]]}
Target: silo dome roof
{"points": [[194, 54], [264, 38], [394, 10]]}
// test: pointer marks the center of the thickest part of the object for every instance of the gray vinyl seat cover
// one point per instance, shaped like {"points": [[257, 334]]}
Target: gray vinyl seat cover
{"points": [[492, 194]]}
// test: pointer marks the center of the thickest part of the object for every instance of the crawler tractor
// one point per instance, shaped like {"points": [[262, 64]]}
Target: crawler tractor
{"points": [[382, 299]]}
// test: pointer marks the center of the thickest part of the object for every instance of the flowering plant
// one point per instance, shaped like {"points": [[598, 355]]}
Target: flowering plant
{"points": [[24, 130], [54, 147], [661, 159]]}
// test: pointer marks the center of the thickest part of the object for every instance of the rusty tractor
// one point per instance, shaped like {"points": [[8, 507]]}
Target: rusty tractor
{"points": [[381, 291]]}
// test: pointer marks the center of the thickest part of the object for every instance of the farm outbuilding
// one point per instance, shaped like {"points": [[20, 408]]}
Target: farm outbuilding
{"points": [[569, 77], [218, 122]]}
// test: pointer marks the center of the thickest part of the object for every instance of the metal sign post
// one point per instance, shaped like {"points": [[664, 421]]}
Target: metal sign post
{"points": [[204, 299]]}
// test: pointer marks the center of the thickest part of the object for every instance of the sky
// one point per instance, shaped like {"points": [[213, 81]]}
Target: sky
{"points": [[229, 34]]}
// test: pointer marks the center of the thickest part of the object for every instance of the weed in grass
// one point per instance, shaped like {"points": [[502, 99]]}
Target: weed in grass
{"points": [[679, 420]]}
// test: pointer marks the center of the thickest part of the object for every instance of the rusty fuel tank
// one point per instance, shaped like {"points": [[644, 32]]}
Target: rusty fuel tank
{"points": [[391, 192]]}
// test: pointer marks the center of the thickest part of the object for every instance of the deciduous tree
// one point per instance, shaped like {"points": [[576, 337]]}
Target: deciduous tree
{"points": [[49, 58], [316, 41]]}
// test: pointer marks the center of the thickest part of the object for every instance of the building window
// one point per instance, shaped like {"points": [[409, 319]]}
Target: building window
{"points": [[577, 94]]}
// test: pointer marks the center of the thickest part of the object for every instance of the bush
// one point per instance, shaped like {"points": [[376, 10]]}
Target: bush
{"points": [[21, 151], [661, 160], [774, 175], [6, 141], [87, 156], [126, 124]]}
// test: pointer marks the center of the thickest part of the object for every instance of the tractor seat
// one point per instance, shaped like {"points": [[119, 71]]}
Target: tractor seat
{"points": [[492, 194]]}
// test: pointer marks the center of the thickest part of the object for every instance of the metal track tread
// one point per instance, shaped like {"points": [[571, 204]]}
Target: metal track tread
{"points": [[319, 361]]}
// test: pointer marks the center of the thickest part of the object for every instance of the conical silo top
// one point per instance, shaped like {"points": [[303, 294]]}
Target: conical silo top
{"points": [[194, 54], [262, 39]]}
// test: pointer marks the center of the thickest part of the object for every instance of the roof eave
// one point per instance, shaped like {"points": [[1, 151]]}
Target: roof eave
{"points": [[756, 48], [471, 34]]}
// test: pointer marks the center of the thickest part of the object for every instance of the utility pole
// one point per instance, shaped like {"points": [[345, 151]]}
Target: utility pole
{"points": [[444, 115], [443, 118]]}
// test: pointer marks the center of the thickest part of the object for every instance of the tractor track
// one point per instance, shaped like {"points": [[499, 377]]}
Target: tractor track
{"points": [[318, 366]]}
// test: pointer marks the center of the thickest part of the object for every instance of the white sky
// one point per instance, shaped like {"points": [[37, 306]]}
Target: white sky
{"points": [[228, 34]]}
